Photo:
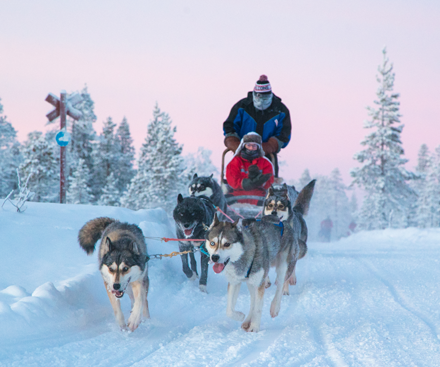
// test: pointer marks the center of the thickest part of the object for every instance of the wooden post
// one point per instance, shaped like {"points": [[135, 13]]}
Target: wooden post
{"points": [[63, 106], [63, 114]]}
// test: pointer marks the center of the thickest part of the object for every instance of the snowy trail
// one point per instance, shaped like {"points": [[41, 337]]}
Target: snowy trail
{"points": [[369, 300]]}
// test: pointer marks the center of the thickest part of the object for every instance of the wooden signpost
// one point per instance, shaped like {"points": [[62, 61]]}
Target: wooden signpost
{"points": [[63, 107]]}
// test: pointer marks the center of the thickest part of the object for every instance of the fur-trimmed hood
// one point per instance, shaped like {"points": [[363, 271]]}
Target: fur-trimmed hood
{"points": [[251, 137]]}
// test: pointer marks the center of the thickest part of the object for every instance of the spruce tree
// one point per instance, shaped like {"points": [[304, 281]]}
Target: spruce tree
{"points": [[40, 162], [110, 193], [428, 202], [124, 170], [382, 174], [160, 167], [79, 191], [199, 163], [304, 179], [105, 157], [10, 156]]}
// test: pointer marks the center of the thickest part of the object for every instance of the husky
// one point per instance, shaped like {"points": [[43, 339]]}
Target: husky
{"points": [[207, 186], [192, 216], [245, 254], [123, 264], [280, 200]]}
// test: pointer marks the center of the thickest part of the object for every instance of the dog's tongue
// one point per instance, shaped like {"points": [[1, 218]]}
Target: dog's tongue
{"points": [[218, 268], [188, 232]]}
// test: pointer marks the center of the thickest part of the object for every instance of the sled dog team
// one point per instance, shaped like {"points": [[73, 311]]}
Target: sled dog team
{"points": [[243, 251]]}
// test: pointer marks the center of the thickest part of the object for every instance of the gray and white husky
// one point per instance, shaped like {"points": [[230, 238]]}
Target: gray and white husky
{"points": [[123, 264], [208, 187], [280, 200], [245, 254]]}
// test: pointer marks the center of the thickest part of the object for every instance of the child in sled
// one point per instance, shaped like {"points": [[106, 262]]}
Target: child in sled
{"points": [[250, 172]]}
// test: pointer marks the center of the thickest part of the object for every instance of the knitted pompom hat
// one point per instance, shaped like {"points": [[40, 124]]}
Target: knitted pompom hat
{"points": [[262, 85]]}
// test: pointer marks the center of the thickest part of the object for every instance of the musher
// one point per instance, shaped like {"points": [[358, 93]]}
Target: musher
{"points": [[263, 112]]}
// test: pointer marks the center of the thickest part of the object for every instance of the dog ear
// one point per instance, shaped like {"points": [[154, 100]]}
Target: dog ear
{"points": [[269, 192], [211, 176], [133, 247], [195, 176], [235, 223], [109, 244], [179, 198], [215, 221]]}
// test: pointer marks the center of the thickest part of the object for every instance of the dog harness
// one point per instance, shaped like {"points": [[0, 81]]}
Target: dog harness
{"points": [[281, 225]]}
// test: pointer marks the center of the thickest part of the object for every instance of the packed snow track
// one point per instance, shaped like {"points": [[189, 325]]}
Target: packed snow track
{"points": [[372, 299]]}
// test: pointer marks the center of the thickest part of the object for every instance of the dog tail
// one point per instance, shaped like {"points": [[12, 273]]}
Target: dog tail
{"points": [[302, 202], [92, 232], [302, 249]]}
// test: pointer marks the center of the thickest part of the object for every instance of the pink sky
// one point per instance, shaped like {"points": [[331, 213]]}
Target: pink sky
{"points": [[197, 58]]}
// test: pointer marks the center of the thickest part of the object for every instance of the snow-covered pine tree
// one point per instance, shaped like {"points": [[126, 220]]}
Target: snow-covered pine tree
{"points": [[110, 193], [10, 156], [304, 179], [160, 167], [199, 163], [79, 191], [105, 157], [124, 170], [329, 200], [39, 161], [428, 202], [382, 174]]}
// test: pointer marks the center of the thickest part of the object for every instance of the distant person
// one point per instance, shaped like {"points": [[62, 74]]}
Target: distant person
{"points": [[249, 172], [326, 229], [264, 113]]}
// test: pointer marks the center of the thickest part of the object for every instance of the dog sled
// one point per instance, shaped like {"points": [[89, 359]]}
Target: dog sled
{"points": [[242, 205]]}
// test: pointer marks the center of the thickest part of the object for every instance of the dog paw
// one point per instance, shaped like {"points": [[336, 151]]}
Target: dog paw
{"points": [[202, 288], [268, 283], [194, 276], [292, 279], [133, 321], [274, 309], [236, 315], [250, 327]]}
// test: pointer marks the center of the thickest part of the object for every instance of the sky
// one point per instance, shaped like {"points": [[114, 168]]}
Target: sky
{"points": [[196, 59]]}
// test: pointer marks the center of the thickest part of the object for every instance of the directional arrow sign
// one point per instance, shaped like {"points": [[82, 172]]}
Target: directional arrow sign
{"points": [[70, 109]]}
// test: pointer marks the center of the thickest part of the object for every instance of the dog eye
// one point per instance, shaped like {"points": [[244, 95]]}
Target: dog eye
{"points": [[212, 244], [227, 244], [111, 270], [270, 206], [281, 206], [124, 269]]}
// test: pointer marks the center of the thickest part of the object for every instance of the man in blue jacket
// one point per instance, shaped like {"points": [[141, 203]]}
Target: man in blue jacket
{"points": [[262, 112]]}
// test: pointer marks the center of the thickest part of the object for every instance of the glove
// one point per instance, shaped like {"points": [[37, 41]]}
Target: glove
{"points": [[271, 146], [232, 142], [254, 171], [252, 183]]}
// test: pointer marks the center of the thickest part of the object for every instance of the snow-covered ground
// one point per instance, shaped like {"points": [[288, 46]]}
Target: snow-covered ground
{"points": [[372, 299]]}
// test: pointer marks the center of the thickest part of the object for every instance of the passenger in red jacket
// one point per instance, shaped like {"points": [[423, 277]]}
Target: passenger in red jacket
{"points": [[250, 172]]}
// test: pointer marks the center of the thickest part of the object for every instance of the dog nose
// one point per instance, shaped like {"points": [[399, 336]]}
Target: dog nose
{"points": [[215, 258], [116, 286], [274, 212], [186, 225]]}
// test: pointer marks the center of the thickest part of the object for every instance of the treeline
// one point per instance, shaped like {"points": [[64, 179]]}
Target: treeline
{"points": [[101, 168]]}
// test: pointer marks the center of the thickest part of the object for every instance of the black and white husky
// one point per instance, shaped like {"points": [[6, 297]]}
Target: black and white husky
{"points": [[193, 216], [208, 187]]}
